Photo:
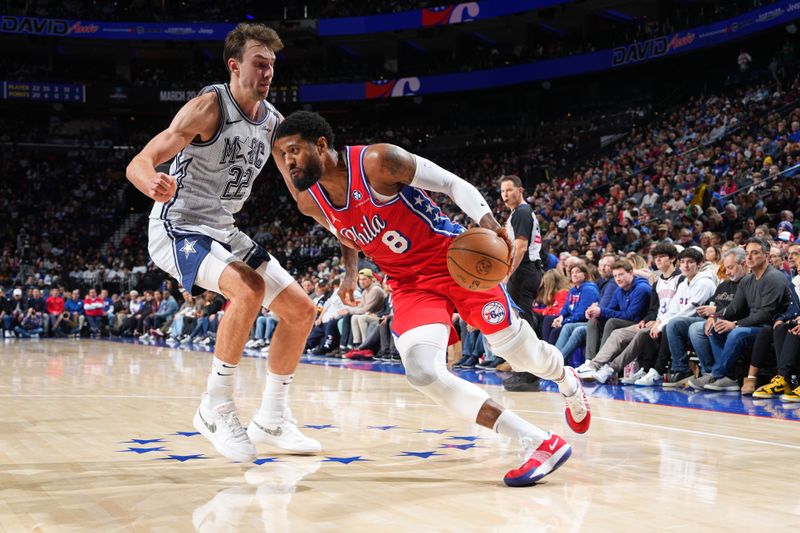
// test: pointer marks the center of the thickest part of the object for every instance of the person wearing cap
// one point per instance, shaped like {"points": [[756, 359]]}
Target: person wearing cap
{"points": [[662, 234], [788, 222], [12, 311], [372, 297], [784, 239]]}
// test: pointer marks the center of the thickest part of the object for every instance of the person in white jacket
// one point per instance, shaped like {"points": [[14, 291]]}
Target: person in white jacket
{"points": [[696, 288]]}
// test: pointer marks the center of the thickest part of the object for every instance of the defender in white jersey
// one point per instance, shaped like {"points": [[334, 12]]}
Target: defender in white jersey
{"points": [[220, 141]]}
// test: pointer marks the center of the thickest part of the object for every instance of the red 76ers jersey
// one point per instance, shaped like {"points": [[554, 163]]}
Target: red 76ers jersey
{"points": [[400, 235]]}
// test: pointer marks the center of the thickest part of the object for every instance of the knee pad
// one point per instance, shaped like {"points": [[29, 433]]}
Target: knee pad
{"points": [[424, 354], [519, 345]]}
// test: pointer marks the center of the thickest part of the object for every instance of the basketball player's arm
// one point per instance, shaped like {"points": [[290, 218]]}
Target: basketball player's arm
{"points": [[309, 208], [198, 118], [388, 166]]}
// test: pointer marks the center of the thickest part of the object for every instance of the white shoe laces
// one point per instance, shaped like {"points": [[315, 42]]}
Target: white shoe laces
{"points": [[530, 451], [231, 418]]}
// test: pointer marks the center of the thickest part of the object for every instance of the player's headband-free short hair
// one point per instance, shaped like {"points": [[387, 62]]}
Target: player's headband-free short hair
{"points": [[309, 126], [236, 40], [512, 178]]}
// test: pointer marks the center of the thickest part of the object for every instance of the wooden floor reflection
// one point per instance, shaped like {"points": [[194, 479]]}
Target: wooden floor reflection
{"points": [[97, 436]]}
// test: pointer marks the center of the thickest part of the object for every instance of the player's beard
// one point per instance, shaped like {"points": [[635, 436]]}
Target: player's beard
{"points": [[311, 174]]}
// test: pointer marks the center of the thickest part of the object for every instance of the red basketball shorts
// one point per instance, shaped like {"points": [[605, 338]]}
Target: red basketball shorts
{"points": [[431, 298]]}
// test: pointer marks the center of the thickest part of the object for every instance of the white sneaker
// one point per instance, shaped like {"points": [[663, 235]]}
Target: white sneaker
{"points": [[187, 339], [284, 435], [251, 343], [651, 379], [578, 413], [630, 380], [585, 370], [144, 338], [604, 374], [221, 426], [265, 349]]}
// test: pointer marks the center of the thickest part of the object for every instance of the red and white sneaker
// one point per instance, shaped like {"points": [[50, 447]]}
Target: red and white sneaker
{"points": [[578, 413], [359, 354], [539, 462]]}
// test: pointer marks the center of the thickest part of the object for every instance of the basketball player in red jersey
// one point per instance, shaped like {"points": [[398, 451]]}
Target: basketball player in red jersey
{"points": [[373, 199]]}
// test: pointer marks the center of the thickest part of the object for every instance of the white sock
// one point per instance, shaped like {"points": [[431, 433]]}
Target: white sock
{"points": [[275, 398], [567, 385], [220, 382], [511, 425]]}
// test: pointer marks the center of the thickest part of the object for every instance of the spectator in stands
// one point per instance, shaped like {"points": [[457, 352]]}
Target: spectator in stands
{"points": [[122, 310], [650, 198], [75, 308], [627, 306], [55, 306], [186, 309], [372, 297], [13, 311], [94, 311], [373, 341], [326, 330], [551, 297], [786, 338], [696, 290], [570, 324], [625, 345], [387, 352], [165, 308], [471, 345], [697, 333], [139, 308], [607, 287], [36, 301], [31, 324], [761, 296], [212, 304], [66, 325]]}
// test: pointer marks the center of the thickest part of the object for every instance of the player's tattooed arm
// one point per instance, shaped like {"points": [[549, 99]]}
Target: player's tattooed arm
{"points": [[398, 163], [388, 167]]}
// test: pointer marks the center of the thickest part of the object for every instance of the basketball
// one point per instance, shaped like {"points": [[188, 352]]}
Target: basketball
{"points": [[478, 259]]}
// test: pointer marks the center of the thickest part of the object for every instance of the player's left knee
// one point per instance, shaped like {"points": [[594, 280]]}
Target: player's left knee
{"points": [[519, 345]]}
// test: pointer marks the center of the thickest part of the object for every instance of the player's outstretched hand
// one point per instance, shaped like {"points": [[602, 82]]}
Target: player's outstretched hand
{"points": [[347, 290], [162, 187]]}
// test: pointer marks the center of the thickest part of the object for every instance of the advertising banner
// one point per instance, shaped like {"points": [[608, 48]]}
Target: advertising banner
{"points": [[776, 14]]}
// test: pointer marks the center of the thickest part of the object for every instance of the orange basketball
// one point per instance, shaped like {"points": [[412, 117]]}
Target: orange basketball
{"points": [[478, 259]]}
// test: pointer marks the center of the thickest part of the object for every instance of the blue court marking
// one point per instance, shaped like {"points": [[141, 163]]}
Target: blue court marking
{"points": [[723, 402]]}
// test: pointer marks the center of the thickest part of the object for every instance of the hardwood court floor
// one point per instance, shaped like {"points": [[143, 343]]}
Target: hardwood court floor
{"points": [[97, 436]]}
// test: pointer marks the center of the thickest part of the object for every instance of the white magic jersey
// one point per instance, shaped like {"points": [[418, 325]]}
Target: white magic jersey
{"points": [[215, 178]]}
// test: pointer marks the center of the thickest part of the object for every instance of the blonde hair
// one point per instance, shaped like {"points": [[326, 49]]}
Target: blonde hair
{"points": [[638, 262]]}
